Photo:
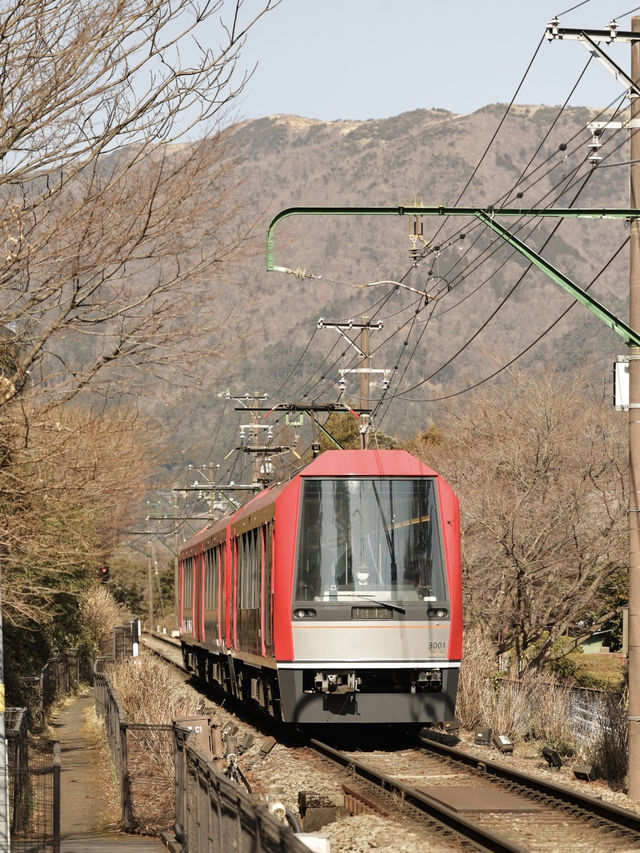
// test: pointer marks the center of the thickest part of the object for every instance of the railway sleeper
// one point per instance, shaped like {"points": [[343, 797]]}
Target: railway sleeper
{"points": [[356, 801]]}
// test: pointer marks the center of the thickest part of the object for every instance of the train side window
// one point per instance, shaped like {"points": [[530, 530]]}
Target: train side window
{"points": [[211, 572], [249, 571], [188, 582]]}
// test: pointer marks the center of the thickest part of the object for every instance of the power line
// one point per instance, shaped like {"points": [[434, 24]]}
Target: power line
{"points": [[527, 348]]}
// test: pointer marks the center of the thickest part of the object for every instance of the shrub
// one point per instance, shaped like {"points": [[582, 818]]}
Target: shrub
{"points": [[151, 692], [101, 613], [477, 667], [535, 705], [608, 753]]}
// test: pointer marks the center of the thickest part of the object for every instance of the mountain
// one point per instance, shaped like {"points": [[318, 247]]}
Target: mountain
{"points": [[485, 312]]}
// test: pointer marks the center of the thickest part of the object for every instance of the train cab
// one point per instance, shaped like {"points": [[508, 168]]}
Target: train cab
{"points": [[375, 619]]}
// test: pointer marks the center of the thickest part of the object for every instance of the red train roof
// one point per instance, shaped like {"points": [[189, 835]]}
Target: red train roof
{"points": [[364, 463]]}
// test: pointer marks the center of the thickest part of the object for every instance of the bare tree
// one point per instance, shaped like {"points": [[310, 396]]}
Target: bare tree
{"points": [[540, 466], [118, 209], [70, 481]]}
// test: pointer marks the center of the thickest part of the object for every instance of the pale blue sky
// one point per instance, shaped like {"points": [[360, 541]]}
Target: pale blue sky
{"points": [[358, 59]]}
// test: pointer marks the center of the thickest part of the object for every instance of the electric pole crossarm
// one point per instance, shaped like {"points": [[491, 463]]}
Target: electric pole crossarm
{"points": [[309, 407], [610, 35], [211, 487], [441, 210], [619, 326], [595, 50]]}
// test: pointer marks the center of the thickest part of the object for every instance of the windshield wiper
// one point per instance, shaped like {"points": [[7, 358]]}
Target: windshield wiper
{"points": [[386, 604]]}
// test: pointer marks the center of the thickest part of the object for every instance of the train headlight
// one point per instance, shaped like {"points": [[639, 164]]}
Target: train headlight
{"points": [[304, 613], [438, 613]]}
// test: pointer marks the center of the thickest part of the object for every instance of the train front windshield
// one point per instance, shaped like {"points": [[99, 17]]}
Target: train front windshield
{"points": [[369, 538]]}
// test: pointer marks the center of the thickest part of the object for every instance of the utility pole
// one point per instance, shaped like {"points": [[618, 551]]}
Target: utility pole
{"points": [[365, 370], [258, 475], [365, 383], [150, 579], [176, 567], [634, 440], [5, 817], [254, 428]]}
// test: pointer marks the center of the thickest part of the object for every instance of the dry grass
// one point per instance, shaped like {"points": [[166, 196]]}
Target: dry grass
{"points": [[151, 692], [608, 753], [532, 706], [101, 613], [604, 671], [105, 773], [476, 669]]}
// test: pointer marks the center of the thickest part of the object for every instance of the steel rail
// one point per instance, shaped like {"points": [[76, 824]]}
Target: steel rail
{"points": [[484, 839], [614, 814]]}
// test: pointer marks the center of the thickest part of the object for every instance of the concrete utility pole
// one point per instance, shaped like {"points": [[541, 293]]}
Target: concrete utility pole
{"points": [[365, 383], [176, 567], [634, 441], [150, 580], [4, 771]]}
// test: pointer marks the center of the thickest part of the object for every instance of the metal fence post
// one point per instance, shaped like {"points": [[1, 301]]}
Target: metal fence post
{"points": [[56, 797], [180, 826], [125, 792]]}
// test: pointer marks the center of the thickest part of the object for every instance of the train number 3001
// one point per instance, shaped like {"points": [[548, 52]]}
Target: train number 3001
{"points": [[435, 646]]}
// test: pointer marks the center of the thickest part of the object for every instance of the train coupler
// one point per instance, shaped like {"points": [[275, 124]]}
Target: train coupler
{"points": [[336, 682]]}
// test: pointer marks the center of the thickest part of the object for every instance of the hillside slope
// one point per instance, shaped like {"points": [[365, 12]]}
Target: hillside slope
{"points": [[486, 312]]}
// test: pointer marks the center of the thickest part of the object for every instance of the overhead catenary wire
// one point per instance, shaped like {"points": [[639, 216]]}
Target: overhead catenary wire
{"points": [[518, 182], [391, 395], [527, 348], [396, 395], [577, 6], [493, 313]]}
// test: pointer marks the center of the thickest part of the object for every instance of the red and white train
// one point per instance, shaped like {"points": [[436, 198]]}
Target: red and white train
{"points": [[334, 597]]}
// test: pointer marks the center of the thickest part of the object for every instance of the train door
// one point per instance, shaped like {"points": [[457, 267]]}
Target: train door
{"points": [[234, 592], [186, 595], [266, 595], [220, 549], [248, 589], [210, 594], [198, 615]]}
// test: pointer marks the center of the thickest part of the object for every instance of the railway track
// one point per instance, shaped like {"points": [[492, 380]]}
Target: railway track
{"points": [[490, 805], [467, 801]]}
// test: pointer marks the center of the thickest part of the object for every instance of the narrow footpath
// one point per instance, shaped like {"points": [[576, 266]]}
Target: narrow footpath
{"points": [[82, 791]]}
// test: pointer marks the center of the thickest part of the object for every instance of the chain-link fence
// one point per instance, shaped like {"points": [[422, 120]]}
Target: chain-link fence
{"points": [[60, 676], [34, 788]]}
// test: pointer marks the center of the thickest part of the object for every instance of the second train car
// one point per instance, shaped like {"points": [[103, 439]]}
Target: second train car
{"points": [[334, 597]]}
